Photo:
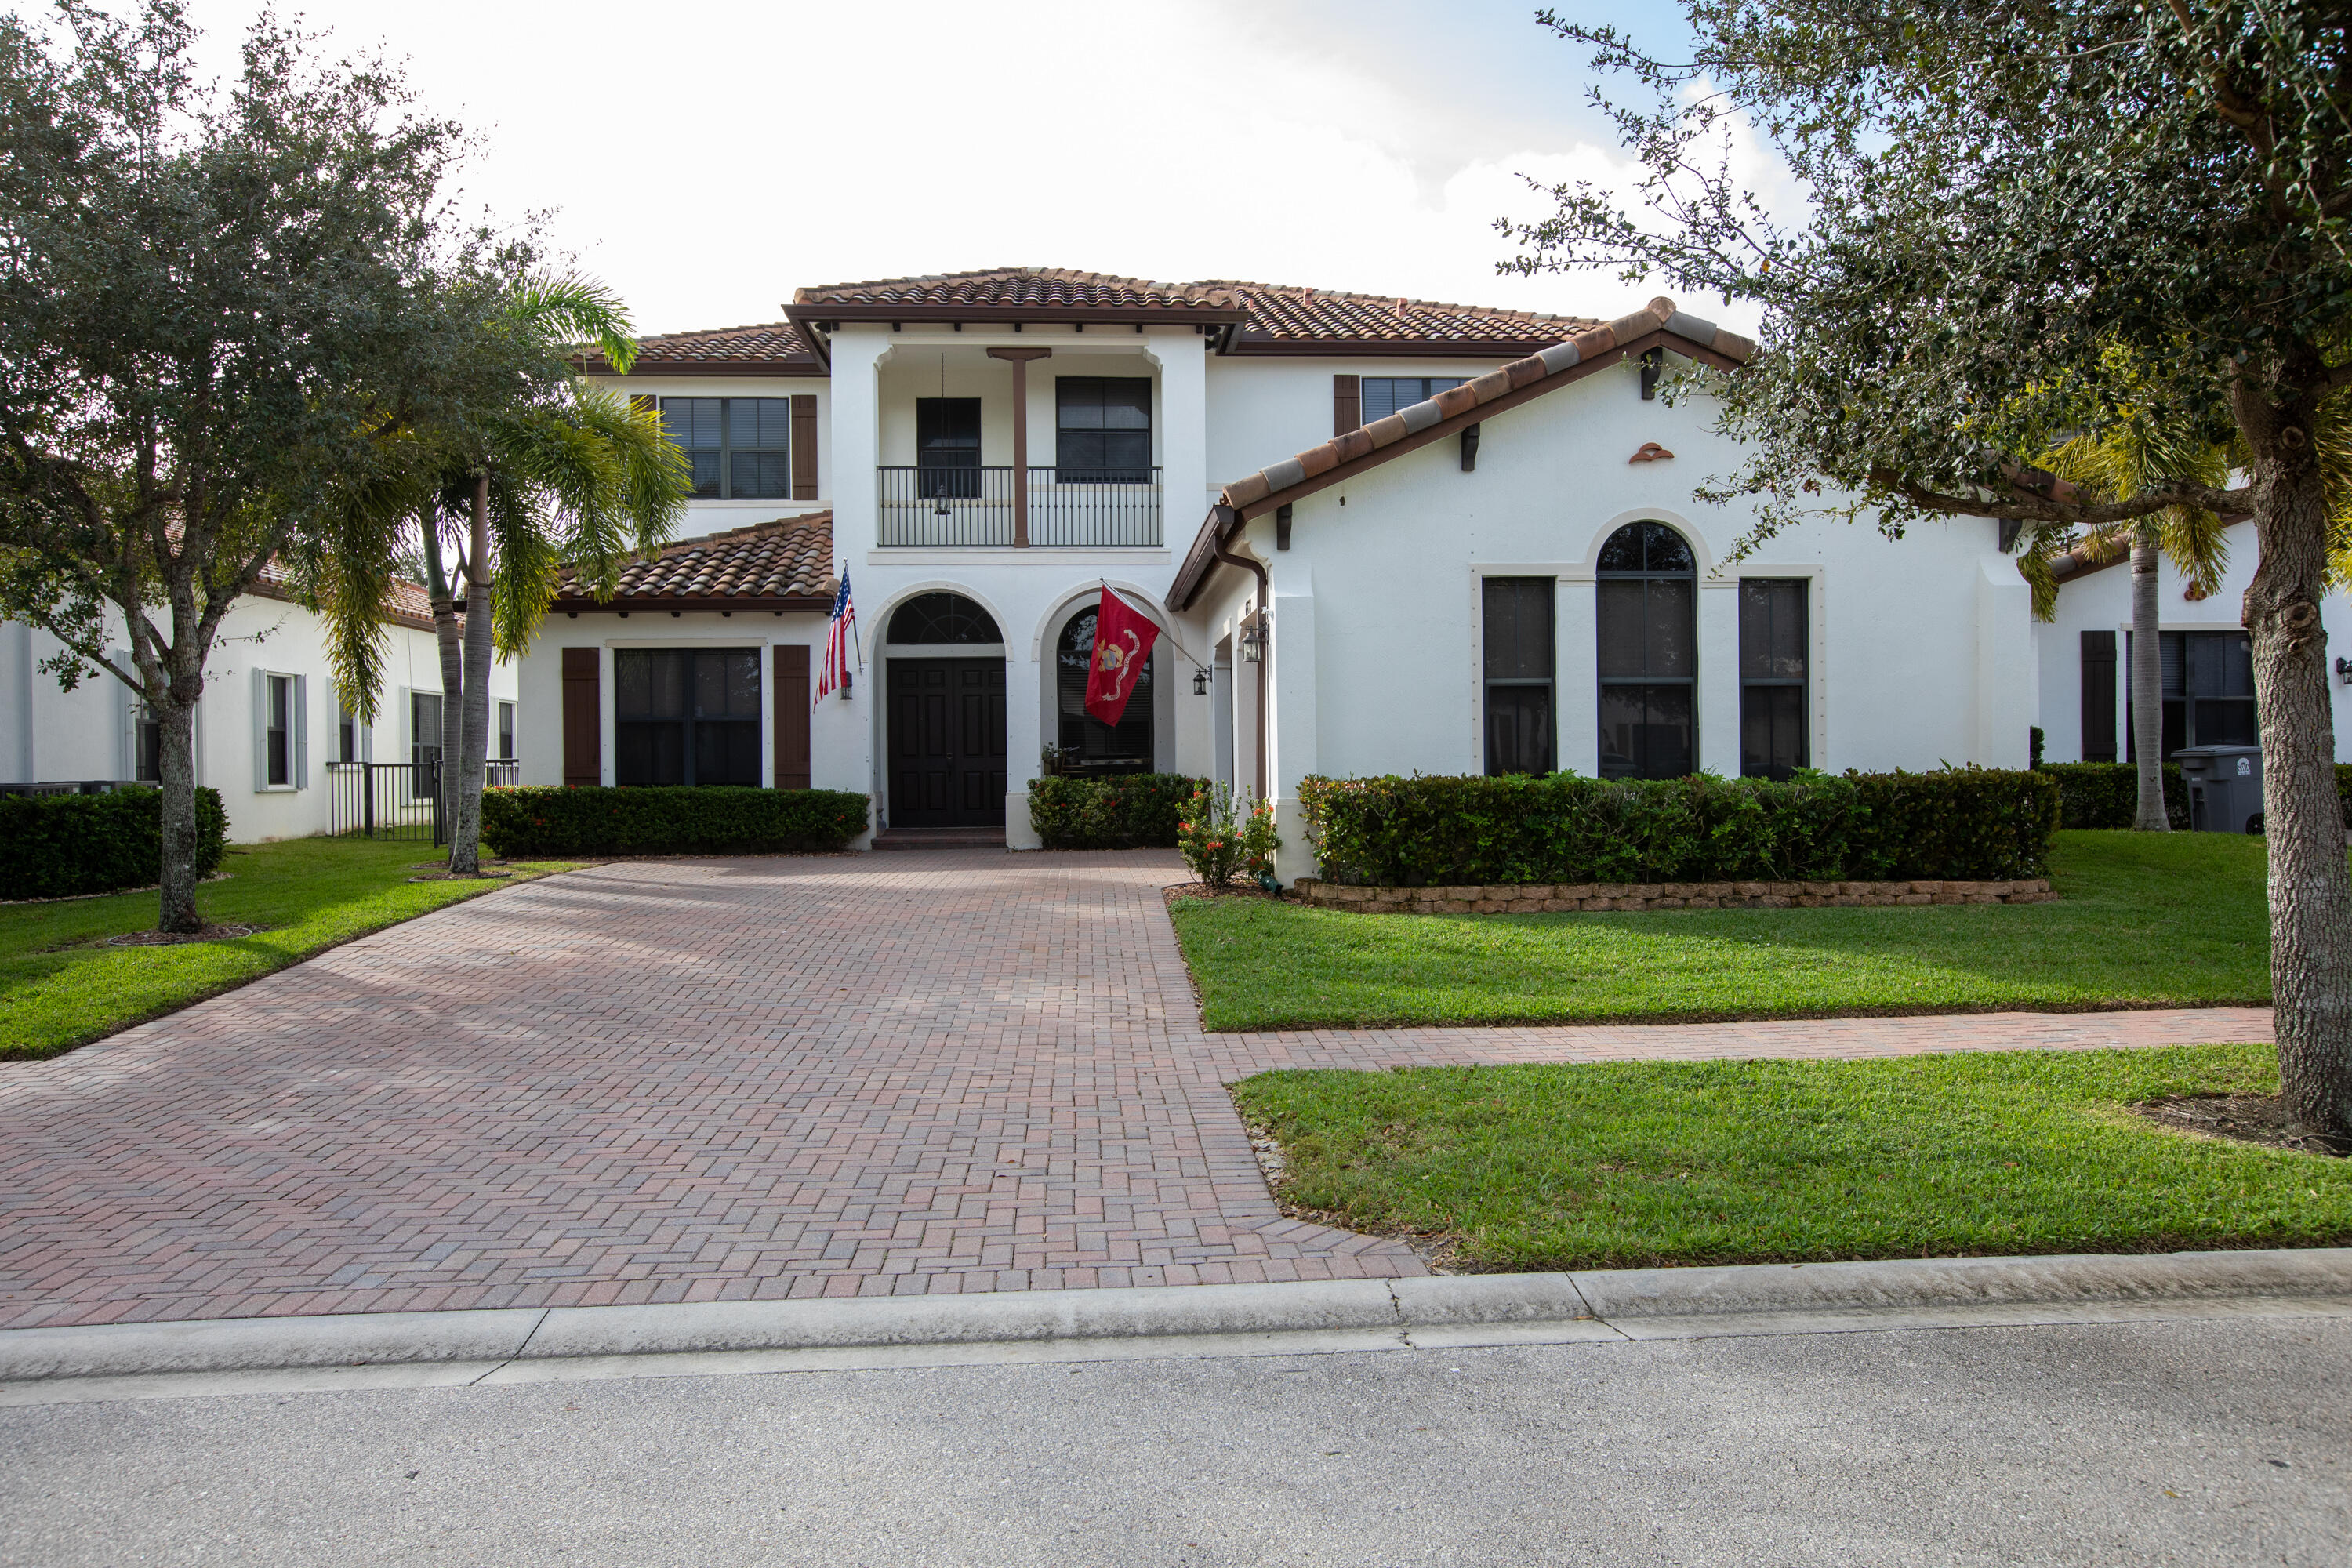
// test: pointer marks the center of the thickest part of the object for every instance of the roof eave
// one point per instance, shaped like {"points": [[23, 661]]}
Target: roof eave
{"points": [[808, 314], [1402, 348], [814, 603]]}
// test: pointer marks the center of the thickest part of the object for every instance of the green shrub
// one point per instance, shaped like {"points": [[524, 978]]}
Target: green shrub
{"points": [[2106, 795], [1961, 824], [57, 845], [1128, 811], [543, 821]]}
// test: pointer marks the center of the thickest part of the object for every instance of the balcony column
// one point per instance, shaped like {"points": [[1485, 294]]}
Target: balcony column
{"points": [[1020, 358]]}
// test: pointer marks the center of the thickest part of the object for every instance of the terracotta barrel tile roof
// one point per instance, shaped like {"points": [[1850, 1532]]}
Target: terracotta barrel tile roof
{"points": [[774, 348], [1019, 285], [1287, 314], [411, 604], [1255, 493], [788, 559]]}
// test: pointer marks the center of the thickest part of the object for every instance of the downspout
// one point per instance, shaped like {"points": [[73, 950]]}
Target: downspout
{"points": [[1265, 649]]}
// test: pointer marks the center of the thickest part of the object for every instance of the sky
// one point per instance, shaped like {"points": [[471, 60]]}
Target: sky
{"points": [[705, 159]]}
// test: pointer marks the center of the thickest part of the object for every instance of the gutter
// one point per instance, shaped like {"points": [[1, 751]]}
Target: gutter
{"points": [[1264, 652]]}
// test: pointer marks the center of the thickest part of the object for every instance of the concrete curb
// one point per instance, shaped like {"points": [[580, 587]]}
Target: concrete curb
{"points": [[1456, 1309]]}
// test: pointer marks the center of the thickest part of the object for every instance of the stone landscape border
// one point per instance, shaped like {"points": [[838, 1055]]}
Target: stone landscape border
{"points": [[1563, 898]]}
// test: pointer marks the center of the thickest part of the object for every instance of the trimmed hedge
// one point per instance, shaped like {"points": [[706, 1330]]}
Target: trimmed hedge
{"points": [[1970, 824], [544, 821], [2106, 795], [58, 846], [1129, 811]]}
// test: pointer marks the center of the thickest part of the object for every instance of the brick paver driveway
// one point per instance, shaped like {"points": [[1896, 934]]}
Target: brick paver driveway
{"points": [[715, 1079]]}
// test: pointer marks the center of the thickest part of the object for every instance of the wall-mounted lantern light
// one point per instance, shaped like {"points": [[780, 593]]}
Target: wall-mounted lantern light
{"points": [[1253, 637], [2343, 671], [1199, 683]]}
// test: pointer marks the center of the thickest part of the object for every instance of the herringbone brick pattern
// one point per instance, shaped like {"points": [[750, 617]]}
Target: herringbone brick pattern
{"points": [[696, 1080]]}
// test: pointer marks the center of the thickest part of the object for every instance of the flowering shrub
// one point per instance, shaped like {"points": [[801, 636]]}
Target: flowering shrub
{"points": [[1219, 841]]}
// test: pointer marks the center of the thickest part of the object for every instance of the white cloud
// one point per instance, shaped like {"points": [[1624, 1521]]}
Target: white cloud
{"points": [[707, 160]]}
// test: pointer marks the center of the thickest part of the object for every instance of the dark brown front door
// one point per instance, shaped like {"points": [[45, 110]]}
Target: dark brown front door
{"points": [[947, 742]]}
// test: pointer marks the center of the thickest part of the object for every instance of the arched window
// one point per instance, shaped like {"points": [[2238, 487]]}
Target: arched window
{"points": [[941, 617], [1648, 592], [1089, 745]]}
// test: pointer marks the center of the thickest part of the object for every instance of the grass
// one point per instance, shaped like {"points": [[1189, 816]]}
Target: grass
{"points": [[61, 988], [1640, 1164], [2142, 919]]}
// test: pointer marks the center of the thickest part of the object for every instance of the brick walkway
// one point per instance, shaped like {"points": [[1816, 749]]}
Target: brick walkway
{"points": [[714, 1080]]}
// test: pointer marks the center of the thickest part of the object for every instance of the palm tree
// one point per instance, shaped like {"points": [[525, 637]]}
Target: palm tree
{"points": [[521, 468]]}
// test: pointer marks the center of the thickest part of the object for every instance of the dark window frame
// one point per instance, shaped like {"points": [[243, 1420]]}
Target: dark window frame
{"points": [[277, 731], [1088, 745], [936, 476], [1509, 647], [1650, 539], [1800, 683], [506, 727], [1074, 463], [696, 734], [1391, 396], [722, 484], [424, 742], [964, 620], [147, 745], [2177, 658]]}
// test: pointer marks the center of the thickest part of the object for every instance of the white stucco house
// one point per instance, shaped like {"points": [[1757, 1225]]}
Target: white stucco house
{"points": [[1378, 534], [272, 732]]}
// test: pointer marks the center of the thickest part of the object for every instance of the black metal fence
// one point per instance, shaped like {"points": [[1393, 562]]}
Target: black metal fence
{"points": [[396, 801], [968, 507]]}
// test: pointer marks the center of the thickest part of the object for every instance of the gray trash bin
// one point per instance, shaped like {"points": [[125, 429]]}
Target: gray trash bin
{"points": [[2225, 787]]}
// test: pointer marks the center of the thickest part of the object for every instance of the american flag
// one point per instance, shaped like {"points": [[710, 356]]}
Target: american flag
{"points": [[837, 643]]}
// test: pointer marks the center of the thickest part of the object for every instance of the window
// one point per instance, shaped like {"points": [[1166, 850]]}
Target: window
{"points": [[278, 731], [1089, 745], [686, 716], [1521, 662], [346, 733], [741, 448], [1102, 430], [947, 447], [941, 618], [1772, 650], [1385, 394], [1648, 592], [2208, 689], [506, 732], [423, 743]]}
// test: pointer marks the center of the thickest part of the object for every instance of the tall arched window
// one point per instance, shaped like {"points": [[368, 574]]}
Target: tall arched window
{"points": [[941, 617], [1649, 652], [1089, 745]]}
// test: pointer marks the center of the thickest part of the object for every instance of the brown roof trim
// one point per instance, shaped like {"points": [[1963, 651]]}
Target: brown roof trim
{"points": [[812, 603], [806, 315], [1246, 342], [1662, 325], [2079, 562], [265, 588], [648, 366]]}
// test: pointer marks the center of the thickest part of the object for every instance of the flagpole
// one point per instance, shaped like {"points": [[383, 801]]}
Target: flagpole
{"points": [[1168, 632]]}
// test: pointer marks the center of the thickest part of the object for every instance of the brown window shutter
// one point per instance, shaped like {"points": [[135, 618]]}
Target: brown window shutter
{"points": [[2099, 697], [792, 714], [804, 447], [1347, 404], [642, 403], [584, 719]]}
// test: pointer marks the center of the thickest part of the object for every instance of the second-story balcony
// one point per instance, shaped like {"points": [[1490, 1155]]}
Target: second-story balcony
{"points": [[1050, 508]]}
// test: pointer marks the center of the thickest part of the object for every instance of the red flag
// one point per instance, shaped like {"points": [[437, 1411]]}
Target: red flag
{"points": [[1123, 642]]}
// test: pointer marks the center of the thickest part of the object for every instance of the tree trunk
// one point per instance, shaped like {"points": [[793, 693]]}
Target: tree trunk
{"points": [[2310, 887], [453, 665], [2147, 685], [465, 832], [176, 720]]}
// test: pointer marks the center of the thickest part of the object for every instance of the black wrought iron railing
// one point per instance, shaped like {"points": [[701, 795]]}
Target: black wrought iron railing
{"points": [[398, 801], [946, 507], [1093, 508], [1068, 507]]}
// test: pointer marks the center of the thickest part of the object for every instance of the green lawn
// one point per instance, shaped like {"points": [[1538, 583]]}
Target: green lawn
{"points": [[1637, 1164], [58, 990], [2141, 919]]}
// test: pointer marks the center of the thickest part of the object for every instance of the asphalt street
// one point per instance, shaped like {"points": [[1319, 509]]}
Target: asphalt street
{"points": [[2226, 1441]]}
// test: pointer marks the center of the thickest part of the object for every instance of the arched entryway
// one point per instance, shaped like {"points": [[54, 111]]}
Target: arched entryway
{"points": [[1085, 744], [946, 766]]}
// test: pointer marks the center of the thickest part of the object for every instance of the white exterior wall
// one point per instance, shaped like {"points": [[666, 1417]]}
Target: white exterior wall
{"points": [[49, 736], [2101, 601], [1262, 408]]}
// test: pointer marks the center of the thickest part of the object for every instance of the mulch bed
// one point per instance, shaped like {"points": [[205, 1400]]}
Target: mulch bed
{"points": [[1230, 890], [174, 938], [2239, 1119]]}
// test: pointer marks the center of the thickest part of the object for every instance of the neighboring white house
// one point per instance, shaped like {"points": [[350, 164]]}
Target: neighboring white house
{"points": [[1379, 535], [271, 730]]}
